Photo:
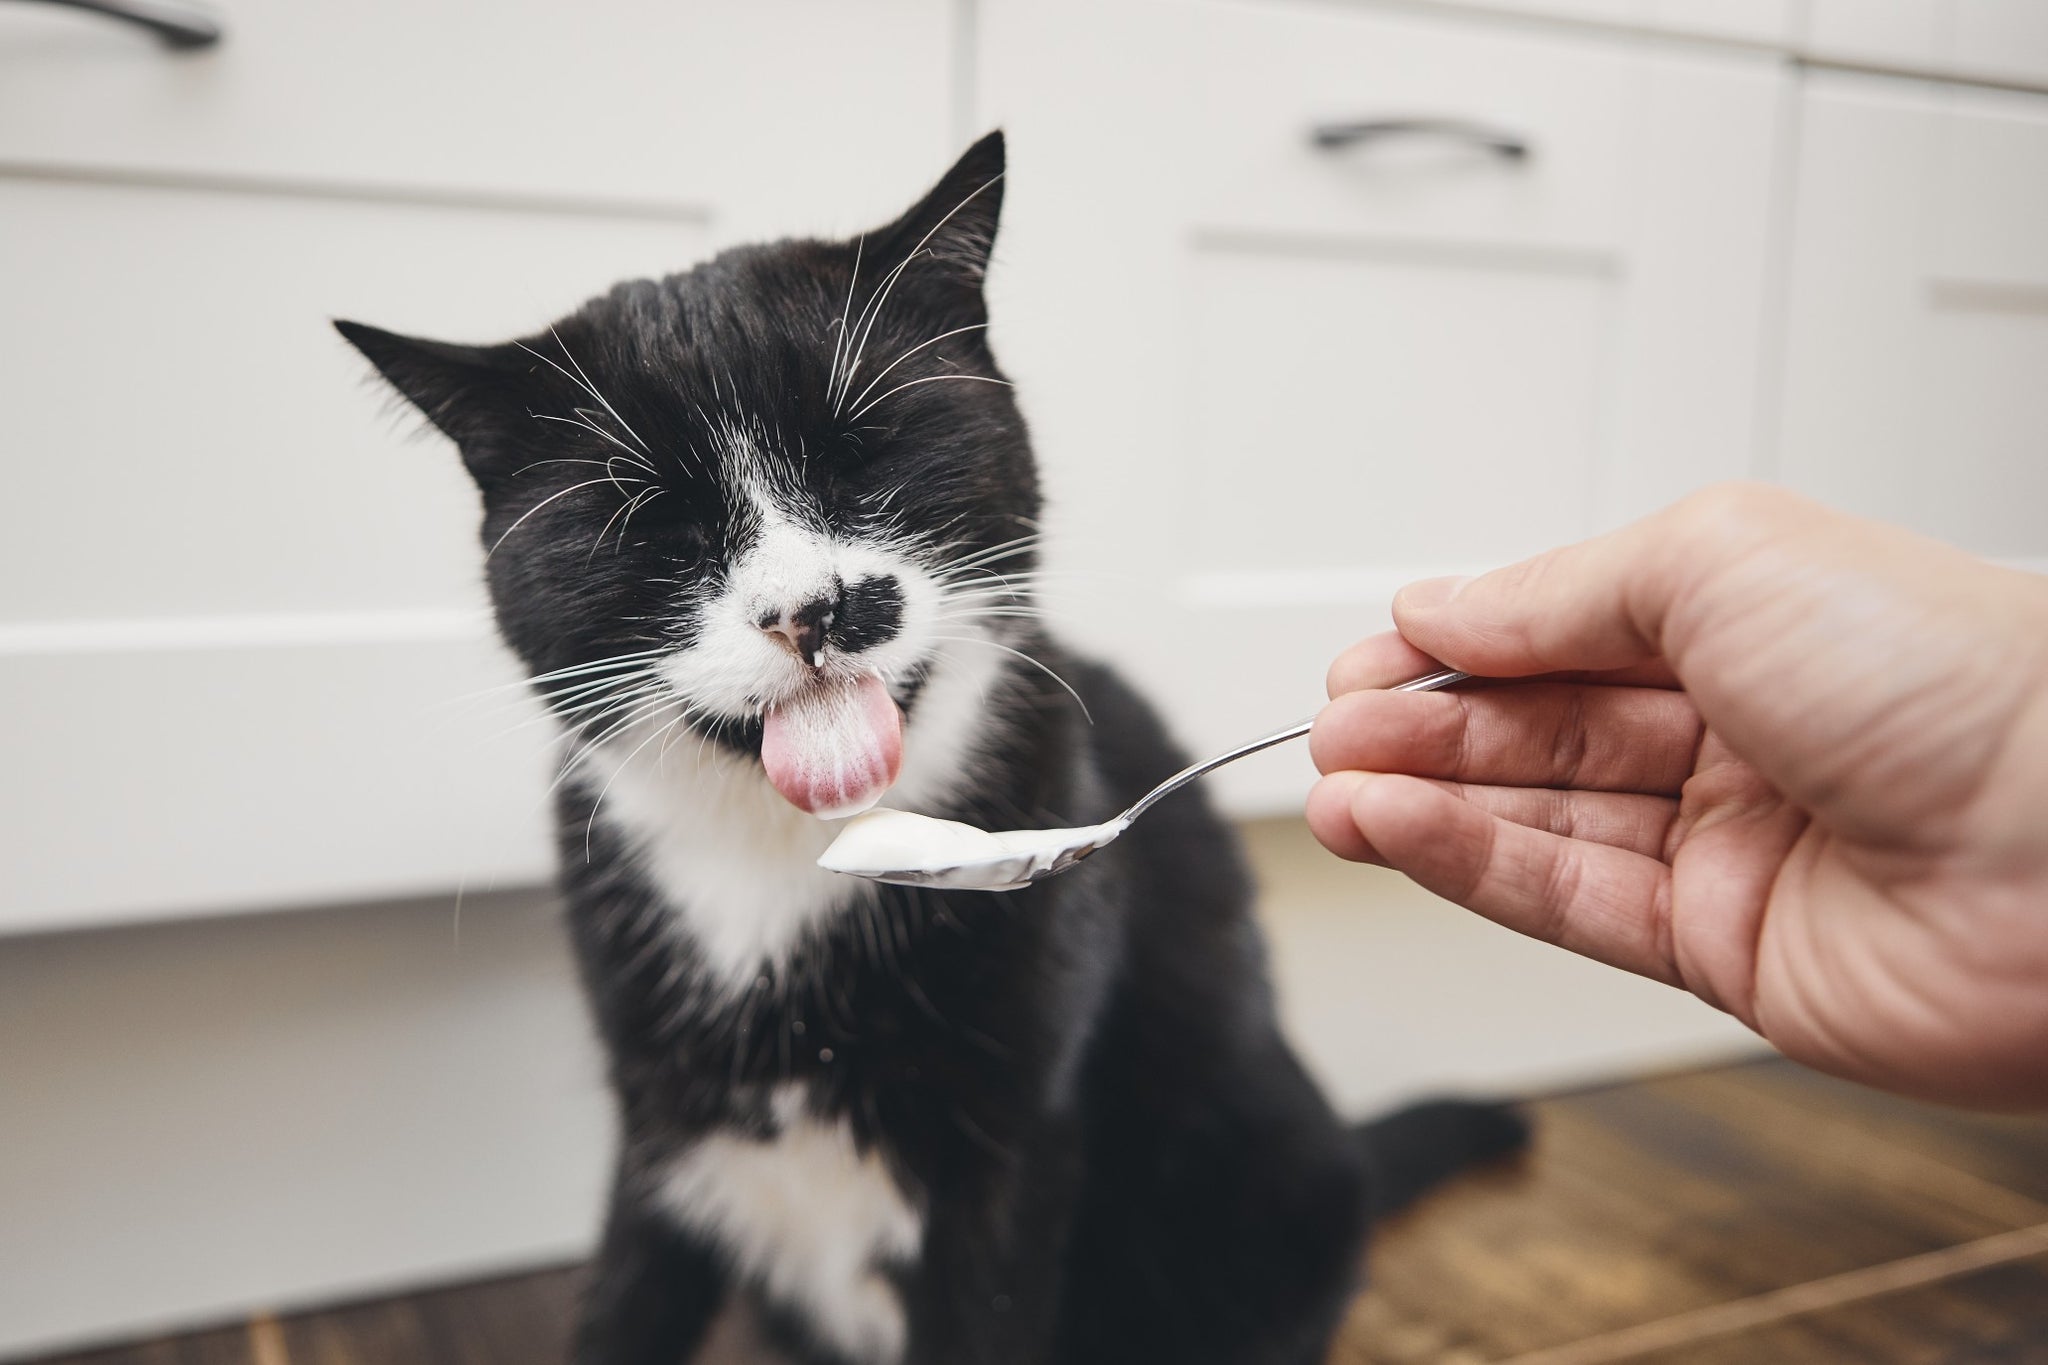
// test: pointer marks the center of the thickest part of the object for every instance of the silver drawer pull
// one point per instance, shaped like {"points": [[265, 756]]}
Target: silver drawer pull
{"points": [[180, 25], [1508, 146]]}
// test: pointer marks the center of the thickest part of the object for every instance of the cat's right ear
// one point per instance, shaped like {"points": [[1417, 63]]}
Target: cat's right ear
{"points": [[471, 393]]}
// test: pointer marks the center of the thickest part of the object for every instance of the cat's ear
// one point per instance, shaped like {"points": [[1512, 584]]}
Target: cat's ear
{"points": [[471, 393], [952, 230]]}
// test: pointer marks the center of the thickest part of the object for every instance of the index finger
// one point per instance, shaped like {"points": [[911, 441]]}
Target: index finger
{"points": [[1385, 660]]}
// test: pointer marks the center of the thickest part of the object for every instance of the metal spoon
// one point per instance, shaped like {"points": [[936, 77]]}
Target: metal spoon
{"points": [[1013, 859]]}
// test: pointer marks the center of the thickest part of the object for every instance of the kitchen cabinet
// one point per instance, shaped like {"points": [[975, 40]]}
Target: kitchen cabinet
{"points": [[1538, 277]]}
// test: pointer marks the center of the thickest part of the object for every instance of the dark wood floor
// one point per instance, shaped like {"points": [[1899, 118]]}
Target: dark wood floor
{"points": [[1743, 1215]]}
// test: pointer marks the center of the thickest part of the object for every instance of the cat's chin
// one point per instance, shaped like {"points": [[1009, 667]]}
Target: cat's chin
{"points": [[833, 749]]}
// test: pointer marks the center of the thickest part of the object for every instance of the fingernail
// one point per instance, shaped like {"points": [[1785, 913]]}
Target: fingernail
{"points": [[1430, 593]]}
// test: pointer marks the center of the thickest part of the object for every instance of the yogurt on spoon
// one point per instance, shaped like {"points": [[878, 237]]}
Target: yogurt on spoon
{"points": [[917, 850]]}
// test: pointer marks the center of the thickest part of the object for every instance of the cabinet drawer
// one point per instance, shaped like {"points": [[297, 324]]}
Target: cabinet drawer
{"points": [[680, 103], [231, 775], [189, 436], [1273, 74]]}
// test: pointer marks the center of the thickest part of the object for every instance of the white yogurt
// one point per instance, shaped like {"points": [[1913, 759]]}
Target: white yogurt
{"points": [[889, 844]]}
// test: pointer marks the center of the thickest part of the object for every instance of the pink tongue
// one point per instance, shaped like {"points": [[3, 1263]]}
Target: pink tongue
{"points": [[833, 752]]}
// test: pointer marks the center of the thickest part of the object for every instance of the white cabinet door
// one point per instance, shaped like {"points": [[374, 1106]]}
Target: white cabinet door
{"points": [[1916, 383], [1270, 382]]}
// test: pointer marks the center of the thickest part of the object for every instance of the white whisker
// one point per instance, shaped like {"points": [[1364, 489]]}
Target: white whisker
{"points": [[929, 379], [591, 389], [883, 373], [631, 454], [638, 502], [867, 318], [604, 464], [992, 644], [873, 312], [563, 493], [571, 699], [613, 660], [839, 343], [615, 663]]}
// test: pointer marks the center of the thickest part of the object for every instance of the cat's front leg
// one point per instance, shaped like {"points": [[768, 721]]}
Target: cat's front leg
{"points": [[654, 1289], [987, 1286]]}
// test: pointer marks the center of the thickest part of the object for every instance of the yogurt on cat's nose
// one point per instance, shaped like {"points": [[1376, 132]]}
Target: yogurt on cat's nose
{"points": [[893, 845]]}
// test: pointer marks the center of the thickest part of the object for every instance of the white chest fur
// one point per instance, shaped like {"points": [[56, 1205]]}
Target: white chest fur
{"points": [[808, 1218], [736, 862]]}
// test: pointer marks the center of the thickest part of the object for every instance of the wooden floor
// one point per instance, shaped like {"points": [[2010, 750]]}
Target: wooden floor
{"points": [[1745, 1215]]}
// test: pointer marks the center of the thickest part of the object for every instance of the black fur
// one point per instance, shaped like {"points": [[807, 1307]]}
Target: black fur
{"points": [[1082, 1084]]}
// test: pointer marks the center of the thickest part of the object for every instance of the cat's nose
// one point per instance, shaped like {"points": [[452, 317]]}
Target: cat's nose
{"points": [[803, 629]]}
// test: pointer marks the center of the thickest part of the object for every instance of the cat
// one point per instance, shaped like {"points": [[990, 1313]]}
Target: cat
{"points": [[763, 532]]}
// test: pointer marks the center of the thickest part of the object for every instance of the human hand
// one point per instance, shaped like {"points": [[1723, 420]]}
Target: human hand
{"points": [[1789, 760]]}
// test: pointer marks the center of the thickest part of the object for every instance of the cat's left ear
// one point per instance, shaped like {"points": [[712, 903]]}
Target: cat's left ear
{"points": [[952, 230]]}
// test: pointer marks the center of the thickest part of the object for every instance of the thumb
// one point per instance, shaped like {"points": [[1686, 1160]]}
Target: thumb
{"points": [[1604, 603]]}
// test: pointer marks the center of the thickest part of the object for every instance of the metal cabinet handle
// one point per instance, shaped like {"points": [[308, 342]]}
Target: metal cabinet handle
{"points": [[1508, 146], [180, 24]]}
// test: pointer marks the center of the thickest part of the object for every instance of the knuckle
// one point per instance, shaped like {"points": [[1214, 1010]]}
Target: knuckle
{"points": [[1663, 938], [1569, 740], [1482, 867], [1734, 506], [1561, 881], [1525, 580], [1462, 761], [1560, 816]]}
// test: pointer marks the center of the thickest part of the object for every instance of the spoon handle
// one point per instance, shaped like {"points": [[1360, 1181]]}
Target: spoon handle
{"points": [[1428, 683]]}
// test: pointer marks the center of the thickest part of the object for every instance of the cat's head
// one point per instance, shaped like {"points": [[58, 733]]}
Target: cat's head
{"points": [[766, 500]]}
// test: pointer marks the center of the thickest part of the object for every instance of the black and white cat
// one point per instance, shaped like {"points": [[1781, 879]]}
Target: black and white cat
{"points": [[762, 531]]}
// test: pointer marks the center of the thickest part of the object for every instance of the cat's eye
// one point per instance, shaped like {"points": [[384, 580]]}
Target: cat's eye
{"points": [[681, 537], [855, 449], [861, 460]]}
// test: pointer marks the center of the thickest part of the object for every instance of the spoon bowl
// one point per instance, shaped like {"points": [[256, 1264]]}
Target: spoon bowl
{"points": [[1000, 866]]}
